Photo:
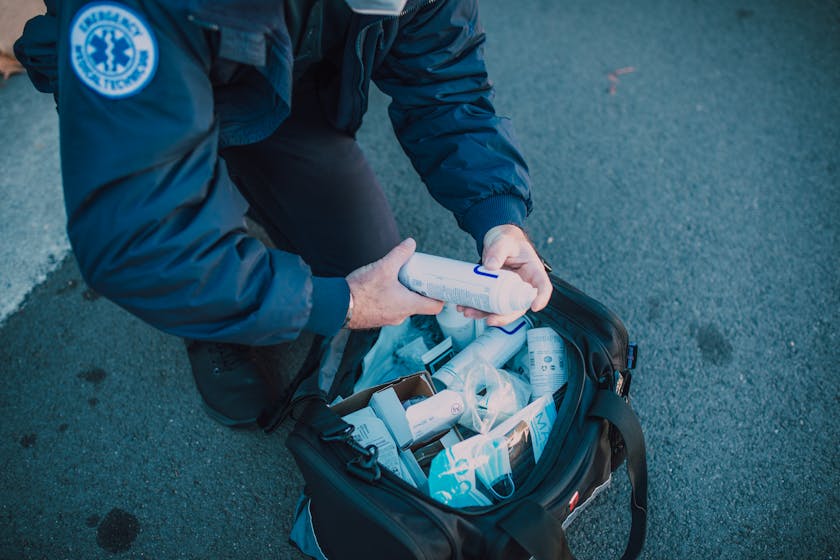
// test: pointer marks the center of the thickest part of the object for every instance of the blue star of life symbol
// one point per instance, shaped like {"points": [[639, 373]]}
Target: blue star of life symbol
{"points": [[110, 50]]}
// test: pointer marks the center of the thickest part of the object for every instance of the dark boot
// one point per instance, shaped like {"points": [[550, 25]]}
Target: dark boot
{"points": [[228, 377]]}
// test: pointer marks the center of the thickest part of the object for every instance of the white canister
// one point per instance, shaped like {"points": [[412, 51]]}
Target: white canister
{"points": [[546, 361], [496, 346], [457, 327], [470, 285], [434, 415]]}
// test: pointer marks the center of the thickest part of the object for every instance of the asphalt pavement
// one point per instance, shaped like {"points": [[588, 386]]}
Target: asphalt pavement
{"points": [[685, 158]]}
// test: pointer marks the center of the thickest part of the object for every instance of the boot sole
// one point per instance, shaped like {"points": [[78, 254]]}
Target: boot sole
{"points": [[246, 424]]}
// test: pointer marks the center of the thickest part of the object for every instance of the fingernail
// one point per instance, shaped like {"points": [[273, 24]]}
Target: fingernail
{"points": [[493, 262]]}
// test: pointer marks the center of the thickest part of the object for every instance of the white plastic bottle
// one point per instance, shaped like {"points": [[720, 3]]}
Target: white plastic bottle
{"points": [[454, 325], [434, 415], [496, 346], [546, 361], [463, 283], [480, 327]]}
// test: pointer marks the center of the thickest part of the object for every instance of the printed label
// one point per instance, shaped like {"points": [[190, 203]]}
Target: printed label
{"points": [[112, 50]]}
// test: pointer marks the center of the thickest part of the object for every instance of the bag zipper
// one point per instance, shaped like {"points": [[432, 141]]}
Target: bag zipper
{"points": [[397, 486], [613, 319], [598, 340]]}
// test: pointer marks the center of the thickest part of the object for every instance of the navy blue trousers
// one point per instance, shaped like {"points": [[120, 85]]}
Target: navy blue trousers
{"points": [[311, 188]]}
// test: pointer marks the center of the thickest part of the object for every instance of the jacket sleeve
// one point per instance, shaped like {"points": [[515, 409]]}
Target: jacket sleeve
{"points": [[36, 49], [154, 220], [443, 115]]}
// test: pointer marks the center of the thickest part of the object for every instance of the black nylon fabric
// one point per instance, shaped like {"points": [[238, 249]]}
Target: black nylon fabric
{"points": [[599, 332], [578, 460], [537, 531]]}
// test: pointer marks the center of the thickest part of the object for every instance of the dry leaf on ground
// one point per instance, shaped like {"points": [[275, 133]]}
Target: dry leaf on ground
{"points": [[9, 66]]}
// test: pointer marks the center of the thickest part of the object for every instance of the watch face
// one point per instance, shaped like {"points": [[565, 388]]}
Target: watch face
{"points": [[377, 7]]}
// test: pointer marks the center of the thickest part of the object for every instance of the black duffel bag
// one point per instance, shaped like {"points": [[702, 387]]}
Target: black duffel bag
{"points": [[358, 509]]}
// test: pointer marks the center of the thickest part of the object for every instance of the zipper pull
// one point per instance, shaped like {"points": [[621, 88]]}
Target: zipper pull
{"points": [[202, 23], [632, 355], [365, 465]]}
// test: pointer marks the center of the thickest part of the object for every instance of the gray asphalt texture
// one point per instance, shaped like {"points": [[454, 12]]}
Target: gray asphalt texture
{"points": [[32, 219], [697, 196]]}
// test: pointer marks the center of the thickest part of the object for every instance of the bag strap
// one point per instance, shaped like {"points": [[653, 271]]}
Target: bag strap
{"points": [[298, 391], [542, 535], [617, 412], [537, 531], [330, 428], [330, 369]]}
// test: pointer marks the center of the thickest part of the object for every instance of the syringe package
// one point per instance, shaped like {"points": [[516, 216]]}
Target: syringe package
{"points": [[487, 453]]}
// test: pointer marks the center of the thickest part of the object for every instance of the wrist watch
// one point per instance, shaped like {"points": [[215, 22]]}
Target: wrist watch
{"points": [[349, 312]]}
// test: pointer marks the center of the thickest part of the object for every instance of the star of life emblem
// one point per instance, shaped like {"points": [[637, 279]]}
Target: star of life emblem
{"points": [[112, 49]]}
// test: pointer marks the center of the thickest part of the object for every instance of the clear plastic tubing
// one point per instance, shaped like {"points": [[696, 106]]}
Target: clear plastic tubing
{"points": [[496, 346], [463, 283]]}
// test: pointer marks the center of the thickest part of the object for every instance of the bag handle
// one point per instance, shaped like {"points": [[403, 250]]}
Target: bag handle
{"points": [[542, 535], [331, 428], [300, 389]]}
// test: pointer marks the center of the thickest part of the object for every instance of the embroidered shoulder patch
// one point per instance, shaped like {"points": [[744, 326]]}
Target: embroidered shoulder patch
{"points": [[112, 49]]}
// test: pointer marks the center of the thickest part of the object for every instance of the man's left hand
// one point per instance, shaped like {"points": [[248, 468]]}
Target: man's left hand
{"points": [[507, 246]]}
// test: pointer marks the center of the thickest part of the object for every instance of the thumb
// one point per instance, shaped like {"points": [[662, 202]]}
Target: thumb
{"points": [[498, 252], [399, 255]]}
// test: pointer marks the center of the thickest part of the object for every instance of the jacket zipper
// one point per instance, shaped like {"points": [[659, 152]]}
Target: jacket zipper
{"points": [[360, 37], [203, 23]]}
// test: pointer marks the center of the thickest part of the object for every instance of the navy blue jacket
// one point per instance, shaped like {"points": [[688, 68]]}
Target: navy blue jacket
{"points": [[155, 222]]}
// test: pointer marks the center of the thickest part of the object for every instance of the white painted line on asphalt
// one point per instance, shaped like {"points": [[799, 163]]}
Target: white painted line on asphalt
{"points": [[32, 218]]}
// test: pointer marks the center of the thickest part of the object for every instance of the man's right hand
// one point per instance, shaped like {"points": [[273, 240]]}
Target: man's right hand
{"points": [[378, 296]]}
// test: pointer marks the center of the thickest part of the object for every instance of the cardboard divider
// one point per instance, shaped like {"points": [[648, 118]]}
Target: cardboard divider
{"points": [[388, 406]]}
